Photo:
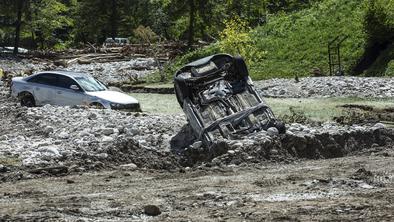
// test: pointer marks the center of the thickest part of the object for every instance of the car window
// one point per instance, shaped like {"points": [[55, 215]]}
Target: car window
{"points": [[89, 84], [54, 80], [46, 79], [65, 82]]}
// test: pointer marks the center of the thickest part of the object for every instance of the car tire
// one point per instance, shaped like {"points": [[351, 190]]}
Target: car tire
{"points": [[96, 106], [27, 100], [280, 126], [240, 66]]}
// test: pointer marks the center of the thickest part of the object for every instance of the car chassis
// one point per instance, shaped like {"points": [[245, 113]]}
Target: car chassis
{"points": [[220, 100]]}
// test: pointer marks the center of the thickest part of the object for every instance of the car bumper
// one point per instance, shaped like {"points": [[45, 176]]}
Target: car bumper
{"points": [[133, 107]]}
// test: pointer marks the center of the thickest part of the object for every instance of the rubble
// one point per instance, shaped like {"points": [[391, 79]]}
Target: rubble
{"points": [[343, 86], [110, 73], [93, 138]]}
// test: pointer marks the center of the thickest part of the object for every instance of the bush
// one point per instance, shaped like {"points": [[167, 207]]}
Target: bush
{"points": [[236, 39]]}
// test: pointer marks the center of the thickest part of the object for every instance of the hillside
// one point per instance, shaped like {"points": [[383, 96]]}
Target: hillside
{"points": [[295, 43]]}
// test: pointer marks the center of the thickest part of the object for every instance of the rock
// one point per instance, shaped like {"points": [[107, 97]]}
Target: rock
{"points": [[108, 131], [3, 169], [51, 150], [64, 135], [107, 139], [92, 116], [3, 137], [379, 126], [231, 152], [152, 210], [130, 166], [272, 131], [274, 152], [49, 130]]}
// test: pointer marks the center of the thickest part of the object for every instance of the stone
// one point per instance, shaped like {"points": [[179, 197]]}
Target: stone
{"points": [[49, 130], [231, 152], [272, 131], [379, 126], [130, 166], [3, 169], [107, 139], [108, 131], [152, 210], [274, 152], [92, 116], [52, 150], [64, 135]]}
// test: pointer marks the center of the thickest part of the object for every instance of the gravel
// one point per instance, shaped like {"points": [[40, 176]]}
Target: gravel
{"points": [[50, 135], [54, 135], [344, 86], [111, 73]]}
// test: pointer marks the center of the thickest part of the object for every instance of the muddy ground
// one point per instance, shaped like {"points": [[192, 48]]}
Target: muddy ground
{"points": [[82, 164], [358, 187]]}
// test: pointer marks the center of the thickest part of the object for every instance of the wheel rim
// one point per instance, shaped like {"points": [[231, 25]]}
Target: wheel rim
{"points": [[27, 101]]}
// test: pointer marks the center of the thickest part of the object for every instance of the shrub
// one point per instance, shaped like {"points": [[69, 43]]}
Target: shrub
{"points": [[236, 39]]}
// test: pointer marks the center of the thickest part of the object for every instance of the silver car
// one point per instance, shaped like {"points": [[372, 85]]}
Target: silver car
{"points": [[66, 88]]}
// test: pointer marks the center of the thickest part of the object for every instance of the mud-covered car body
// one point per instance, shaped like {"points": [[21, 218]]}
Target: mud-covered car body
{"points": [[219, 99]]}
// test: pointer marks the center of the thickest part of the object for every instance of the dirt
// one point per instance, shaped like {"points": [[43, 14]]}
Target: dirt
{"points": [[356, 114], [327, 172], [358, 187]]}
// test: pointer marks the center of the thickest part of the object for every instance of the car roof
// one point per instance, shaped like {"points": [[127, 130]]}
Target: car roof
{"points": [[71, 74]]}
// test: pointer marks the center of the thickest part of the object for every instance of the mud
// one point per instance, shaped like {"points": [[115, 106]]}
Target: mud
{"points": [[357, 114], [81, 164], [342, 189]]}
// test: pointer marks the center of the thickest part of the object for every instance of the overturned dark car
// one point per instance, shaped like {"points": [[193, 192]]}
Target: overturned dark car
{"points": [[220, 101]]}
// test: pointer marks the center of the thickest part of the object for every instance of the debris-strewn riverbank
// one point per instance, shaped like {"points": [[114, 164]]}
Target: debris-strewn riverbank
{"points": [[343, 86]]}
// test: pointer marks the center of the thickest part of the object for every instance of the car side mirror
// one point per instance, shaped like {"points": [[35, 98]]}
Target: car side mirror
{"points": [[74, 87]]}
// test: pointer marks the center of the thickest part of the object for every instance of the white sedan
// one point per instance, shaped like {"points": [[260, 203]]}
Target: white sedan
{"points": [[66, 88]]}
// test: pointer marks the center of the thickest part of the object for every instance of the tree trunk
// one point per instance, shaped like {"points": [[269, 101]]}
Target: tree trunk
{"points": [[191, 23], [203, 11], [18, 25], [237, 6], [114, 20]]}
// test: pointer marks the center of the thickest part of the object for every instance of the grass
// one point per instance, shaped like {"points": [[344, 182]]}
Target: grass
{"points": [[158, 103], [155, 85], [319, 109], [322, 109], [296, 42]]}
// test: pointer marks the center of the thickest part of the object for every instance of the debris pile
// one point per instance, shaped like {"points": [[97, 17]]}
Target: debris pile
{"points": [[344, 86]]}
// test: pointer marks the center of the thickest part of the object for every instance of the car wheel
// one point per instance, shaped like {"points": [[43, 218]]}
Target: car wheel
{"points": [[280, 126], [96, 106], [240, 67], [27, 100]]}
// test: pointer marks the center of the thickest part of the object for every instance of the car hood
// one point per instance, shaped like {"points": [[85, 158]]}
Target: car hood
{"points": [[114, 97]]}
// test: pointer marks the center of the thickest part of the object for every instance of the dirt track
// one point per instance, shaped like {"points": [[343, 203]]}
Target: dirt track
{"points": [[345, 189]]}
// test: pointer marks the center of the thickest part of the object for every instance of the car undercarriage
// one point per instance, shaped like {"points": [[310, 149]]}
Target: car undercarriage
{"points": [[220, 100]]}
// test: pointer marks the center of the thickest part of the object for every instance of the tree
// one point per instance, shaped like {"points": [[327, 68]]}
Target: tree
{"points": [[19, 7]]}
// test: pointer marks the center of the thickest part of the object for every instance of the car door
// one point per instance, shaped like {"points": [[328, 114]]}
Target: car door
{"points": [[44, 88], [67, 96]]}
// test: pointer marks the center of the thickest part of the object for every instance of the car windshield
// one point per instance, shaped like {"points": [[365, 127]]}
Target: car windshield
{"points": [[90, 84]]}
